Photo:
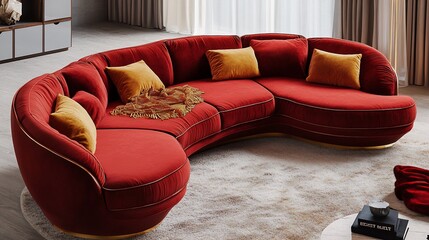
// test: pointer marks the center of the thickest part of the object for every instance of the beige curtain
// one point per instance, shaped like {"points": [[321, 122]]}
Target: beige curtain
{"points": [[417, 12], [380, 24], [142, 13], [357, 19]]}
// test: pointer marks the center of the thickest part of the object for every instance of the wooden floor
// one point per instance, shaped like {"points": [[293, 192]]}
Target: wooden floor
{"points": [[86, 41], [93, 39]]}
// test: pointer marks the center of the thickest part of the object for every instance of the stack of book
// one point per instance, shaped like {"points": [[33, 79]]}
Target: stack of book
{"points": [[390, 227]]}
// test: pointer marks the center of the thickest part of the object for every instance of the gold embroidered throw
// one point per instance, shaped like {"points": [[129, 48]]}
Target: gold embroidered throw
{"points": [[163, 104]]}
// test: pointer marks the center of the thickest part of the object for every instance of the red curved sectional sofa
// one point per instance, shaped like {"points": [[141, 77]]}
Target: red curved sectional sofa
{"points": [[140, 168]]}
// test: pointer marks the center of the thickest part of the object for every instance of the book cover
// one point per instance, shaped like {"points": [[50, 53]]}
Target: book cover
{"points": [[367, 220], [400, 234]]}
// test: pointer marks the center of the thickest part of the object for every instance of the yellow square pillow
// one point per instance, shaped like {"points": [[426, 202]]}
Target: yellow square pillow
{"points": [[335, 69], [233, 63], [134, 79], [72, 120]]}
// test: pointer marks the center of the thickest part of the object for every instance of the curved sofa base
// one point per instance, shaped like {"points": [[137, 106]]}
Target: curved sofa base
{"points": [[323, 144], [342, 147], [88, 236]]}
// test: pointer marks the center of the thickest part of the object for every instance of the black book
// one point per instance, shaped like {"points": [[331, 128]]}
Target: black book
{"points": [[399, 233], [384, 224]]}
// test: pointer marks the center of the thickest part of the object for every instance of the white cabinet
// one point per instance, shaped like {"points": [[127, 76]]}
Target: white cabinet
{"points": [[6, 43], [28, 41], [45, 27], [57, 35], [57, 9]]}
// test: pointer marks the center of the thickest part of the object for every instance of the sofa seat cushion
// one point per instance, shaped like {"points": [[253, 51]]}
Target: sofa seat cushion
{"points": [[203, 121], [238, 101], [335, 108], [142, 167]]}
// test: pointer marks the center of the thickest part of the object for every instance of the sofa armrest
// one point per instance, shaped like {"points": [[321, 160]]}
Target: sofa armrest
{"points": [[32, 133]]}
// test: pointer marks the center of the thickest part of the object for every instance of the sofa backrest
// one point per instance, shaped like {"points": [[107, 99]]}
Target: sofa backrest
{"points": [[376, 74], [279, 54], [245, 39], [154, 54], [99, 61], [83, 76], [34, 139], [188, 55]]}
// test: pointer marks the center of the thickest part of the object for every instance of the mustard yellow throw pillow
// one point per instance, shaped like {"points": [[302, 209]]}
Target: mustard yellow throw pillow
{"points": [[134, 79], [233, 63], [335, 69], [72, 120]]}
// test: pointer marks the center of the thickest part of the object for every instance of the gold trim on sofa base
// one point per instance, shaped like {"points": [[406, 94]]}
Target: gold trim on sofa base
{"points": [[88, 236], [341, 147]]}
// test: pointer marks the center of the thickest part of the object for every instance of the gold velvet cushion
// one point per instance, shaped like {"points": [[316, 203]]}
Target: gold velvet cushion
{"points": [[134, 79], [72, 120], [335, 69], [233, 63]]}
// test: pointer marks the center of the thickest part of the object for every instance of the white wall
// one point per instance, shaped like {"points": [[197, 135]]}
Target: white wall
{"points": [[85, 12]]}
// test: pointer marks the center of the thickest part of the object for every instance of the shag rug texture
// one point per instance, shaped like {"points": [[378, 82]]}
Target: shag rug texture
{"points": [[273, 188]]}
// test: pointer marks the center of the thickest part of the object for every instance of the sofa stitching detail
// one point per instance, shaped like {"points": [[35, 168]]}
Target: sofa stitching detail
{"points": [[345, 110], [151, 204], [336, 135], [195, 142], [319, 125], [190, 145], [249, 105], [250, 121], [147, 184], [193, 125]]}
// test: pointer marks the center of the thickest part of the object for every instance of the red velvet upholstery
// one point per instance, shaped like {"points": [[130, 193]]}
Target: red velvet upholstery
{"points": [[412, 187], [140, 168], [154, 54], [246, 39], [358, 116], [231, 99], [82, 76], [100, 63], [146, 169], [91, 104], [281, 58], [376, 74], [188, 55], [201, 122], [31, 110]]}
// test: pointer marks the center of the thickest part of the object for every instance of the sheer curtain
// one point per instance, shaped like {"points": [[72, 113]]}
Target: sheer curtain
{"points": [[179, 15], [305, 17]]}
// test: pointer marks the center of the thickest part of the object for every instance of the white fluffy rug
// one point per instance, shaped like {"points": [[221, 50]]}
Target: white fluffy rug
{"points": [[273, 188]]}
